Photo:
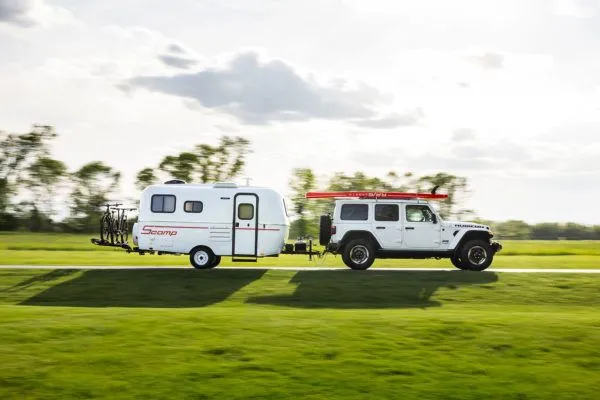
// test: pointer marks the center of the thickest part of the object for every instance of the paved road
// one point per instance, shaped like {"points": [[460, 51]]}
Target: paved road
{"points": [[125, 267]]}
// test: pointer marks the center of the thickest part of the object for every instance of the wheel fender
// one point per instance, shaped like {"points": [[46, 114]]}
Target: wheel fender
{"points": [[351, 235], [463, 238]]}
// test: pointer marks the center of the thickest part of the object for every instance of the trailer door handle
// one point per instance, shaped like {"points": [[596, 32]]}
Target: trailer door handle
{"points": [[381, 227], [237, 224], [410, 228]]}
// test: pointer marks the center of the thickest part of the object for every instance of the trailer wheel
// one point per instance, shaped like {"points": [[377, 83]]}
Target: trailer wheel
{"points": [[202, 257], [477, 255], [217, 261], [324, 230], [359, 254]]}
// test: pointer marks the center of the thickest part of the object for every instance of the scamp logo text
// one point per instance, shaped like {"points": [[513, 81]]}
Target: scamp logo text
{"points": [[146, 230]]}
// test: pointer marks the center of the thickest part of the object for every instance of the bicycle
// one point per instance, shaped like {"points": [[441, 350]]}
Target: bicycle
{"points": [[114, 228]]}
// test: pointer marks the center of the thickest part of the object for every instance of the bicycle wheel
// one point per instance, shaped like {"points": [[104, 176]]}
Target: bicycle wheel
{"points": [[106, 229], [124, 230]]}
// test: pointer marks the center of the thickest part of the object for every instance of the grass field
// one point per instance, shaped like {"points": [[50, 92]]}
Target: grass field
{"points": [[227, 334], [54, 249]]}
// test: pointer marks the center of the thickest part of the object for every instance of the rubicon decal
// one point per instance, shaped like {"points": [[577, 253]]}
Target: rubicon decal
{"points": [[147, 230]]}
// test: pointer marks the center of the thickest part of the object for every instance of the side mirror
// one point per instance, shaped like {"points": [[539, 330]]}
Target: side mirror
{"points": [[434, 218]]}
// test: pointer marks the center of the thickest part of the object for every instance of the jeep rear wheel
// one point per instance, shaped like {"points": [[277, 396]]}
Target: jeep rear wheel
{"points": [[359, 254], [476, 255]]}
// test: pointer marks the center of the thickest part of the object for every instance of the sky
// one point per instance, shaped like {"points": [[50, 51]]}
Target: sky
{"points": [[505, 93]]}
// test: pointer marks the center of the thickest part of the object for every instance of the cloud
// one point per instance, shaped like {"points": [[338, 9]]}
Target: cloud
{"points": [[32, 13], [260, 92], [575, 8], [488, 60], [463, 135], [177, 62], [410, 118]]}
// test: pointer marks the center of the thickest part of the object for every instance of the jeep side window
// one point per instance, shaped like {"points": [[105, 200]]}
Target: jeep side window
{"points": [[354, 212], [418, 213], [387, 212]]}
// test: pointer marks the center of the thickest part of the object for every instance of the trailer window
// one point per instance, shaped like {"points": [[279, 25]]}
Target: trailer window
{"points": [[162, 203], [193, 206], [246, 211], [355, 212], [387, 212]]}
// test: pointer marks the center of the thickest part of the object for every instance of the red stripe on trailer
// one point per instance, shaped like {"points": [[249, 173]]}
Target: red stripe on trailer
{"points": [[375, 195]]}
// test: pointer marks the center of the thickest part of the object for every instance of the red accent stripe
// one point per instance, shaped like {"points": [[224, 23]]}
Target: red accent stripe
{"points": [[375, 195], [175, 227], [260, 229]]}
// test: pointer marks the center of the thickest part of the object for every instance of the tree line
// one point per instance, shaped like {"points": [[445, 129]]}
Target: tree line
{"points": [[35, 187]]}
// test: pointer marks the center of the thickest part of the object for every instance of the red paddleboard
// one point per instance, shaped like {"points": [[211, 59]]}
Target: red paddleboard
{"points": [[375, 195]]}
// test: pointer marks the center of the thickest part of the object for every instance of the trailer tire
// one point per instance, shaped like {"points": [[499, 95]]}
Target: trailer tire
{"points": [[217, 261], [359, 254], [476, 255], [324, 230], [201, 257]]}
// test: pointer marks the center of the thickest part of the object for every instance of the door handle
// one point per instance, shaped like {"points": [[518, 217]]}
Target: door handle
{"points": [[380, 227], [410, 228], [237, 224]]}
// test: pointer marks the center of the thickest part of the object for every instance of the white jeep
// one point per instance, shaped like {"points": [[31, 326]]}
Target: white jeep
{"points": [[364, 229]]}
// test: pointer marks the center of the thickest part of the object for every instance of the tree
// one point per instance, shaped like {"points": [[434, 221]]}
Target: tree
{"points": [[144, 178], [456, 187], [208, 163], [43, 178], [514, 229], [94, 182], [303, 180], [17, 153]]}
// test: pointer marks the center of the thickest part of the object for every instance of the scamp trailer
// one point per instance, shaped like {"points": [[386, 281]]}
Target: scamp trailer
{"points": [[208, 221]]}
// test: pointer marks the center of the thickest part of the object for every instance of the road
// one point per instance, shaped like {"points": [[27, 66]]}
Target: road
{"points": [[126, 267]]}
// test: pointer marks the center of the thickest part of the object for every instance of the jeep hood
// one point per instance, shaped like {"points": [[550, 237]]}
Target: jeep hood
{"points": [[462, 224]]}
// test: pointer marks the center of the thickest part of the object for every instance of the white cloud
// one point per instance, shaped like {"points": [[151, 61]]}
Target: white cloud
{"points": [[33, 13], [576, 8]]}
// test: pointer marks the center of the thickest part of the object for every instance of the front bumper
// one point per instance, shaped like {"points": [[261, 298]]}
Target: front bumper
{"points": [[496, 247]]}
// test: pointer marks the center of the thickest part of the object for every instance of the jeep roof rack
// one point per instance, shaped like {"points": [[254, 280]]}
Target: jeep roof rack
{"points": [[375, 195]]}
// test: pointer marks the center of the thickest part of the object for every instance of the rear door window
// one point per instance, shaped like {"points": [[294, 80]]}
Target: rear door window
{"points": [[354, 212]]}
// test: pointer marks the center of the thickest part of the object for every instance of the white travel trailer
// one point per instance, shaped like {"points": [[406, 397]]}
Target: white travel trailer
{"points": [[208, 221]]}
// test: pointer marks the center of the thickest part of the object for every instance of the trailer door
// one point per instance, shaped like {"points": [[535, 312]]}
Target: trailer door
{"points": [[245, 225]]}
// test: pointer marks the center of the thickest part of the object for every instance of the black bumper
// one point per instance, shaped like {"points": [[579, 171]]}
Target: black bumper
{"points": [[496, 247]]}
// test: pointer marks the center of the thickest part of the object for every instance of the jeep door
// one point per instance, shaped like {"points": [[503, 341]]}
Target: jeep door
{"points": [[387, 226], [421, 228]]}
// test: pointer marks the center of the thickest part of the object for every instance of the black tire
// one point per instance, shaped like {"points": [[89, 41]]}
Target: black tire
{"points": [[124, 231], [477, 255], [105, 229], [458, 263], [201, 257], [324, 230], [359, 254], [217, 261]]}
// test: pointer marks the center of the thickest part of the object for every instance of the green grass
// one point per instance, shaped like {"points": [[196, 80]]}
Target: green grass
{"points": [[70, 249], [186, 334]]}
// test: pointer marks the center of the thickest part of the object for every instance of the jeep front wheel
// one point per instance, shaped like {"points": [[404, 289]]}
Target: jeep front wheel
{"points": [[457, 262], [359, 254], [476, 255]]}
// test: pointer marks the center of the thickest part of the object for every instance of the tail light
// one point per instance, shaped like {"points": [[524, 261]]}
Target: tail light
{"points": [[333, 229]]}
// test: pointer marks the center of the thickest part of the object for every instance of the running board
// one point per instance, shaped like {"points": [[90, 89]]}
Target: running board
{"points": [[244, 258]]}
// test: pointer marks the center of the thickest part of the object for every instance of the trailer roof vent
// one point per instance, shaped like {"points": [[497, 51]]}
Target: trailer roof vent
{"points": [[225, 185], [174, 182]]}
